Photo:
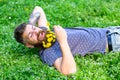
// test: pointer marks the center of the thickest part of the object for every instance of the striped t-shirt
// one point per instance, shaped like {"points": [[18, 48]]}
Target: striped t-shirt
{"points": [[81, 41]]}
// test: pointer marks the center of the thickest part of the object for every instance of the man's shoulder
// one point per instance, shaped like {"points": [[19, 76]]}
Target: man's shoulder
{"points": [[49, 55]]}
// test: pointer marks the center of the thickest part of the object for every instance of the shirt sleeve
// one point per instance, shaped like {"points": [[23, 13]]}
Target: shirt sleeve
{"points": [[50, 55]]}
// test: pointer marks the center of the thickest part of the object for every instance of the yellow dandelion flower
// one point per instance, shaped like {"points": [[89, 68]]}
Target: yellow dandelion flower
{"points": [[54, 40], [50, 39], [48, 35], [43, 42], [54, 36], [51, 34], [48, 44], [44, 45]]}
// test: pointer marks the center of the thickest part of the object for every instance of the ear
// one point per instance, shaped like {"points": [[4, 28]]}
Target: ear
{"points": [[29, 45]]}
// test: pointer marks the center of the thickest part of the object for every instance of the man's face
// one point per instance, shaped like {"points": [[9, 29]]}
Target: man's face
{"points": [[33, 35]]}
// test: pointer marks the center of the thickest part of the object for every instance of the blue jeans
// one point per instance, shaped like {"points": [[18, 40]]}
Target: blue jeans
{"points": [[114, 31]]}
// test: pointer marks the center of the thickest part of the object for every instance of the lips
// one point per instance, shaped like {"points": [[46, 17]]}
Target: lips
{"points": [[41, 36]]}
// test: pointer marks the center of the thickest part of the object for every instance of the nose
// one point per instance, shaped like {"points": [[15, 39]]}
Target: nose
{"points": [[35, 32]]}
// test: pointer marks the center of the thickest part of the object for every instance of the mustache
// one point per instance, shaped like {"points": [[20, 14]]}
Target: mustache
{"points": [[39, 45], [43, 29]]}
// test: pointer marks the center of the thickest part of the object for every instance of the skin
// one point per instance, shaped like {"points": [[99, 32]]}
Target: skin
{"points": [[65, 64], [33, 35]]}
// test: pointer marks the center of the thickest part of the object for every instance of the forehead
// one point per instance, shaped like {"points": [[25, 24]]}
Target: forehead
{"points": [[26, 32]]}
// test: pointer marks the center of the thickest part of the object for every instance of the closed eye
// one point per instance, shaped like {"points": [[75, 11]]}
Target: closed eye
{"points": [[30, 35], [33, 27]]}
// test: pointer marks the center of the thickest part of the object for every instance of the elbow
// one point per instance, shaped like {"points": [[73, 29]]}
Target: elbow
{"points": [[38, 8], [69, 71]]}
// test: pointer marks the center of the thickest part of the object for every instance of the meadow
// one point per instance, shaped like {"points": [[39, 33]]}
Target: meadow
{"points": [[20, 63]]}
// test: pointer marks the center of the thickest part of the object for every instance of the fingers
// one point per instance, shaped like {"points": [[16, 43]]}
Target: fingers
{"points": [[57, 27]]}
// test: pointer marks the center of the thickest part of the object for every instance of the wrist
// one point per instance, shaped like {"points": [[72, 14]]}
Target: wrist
{"points": [[63, 42], [34, 18]]}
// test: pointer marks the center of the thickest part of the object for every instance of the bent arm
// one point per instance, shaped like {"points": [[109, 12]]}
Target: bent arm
{"points": [[38, 16], [66, 64]]}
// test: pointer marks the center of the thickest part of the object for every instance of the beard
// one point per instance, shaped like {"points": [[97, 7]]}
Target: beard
{"points": [[39, 44], [47, 41]]}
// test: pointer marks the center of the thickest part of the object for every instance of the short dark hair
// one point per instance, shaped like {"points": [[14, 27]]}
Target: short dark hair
{"points": [[18, 32]]}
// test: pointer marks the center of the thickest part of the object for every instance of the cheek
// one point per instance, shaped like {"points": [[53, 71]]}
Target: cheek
{"points": [[34, 40]]}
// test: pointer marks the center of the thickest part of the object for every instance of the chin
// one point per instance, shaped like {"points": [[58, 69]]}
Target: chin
{"points": [[39, 45]]}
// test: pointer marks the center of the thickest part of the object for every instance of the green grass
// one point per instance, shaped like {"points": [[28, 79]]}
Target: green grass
{"points": [[20, 63]]}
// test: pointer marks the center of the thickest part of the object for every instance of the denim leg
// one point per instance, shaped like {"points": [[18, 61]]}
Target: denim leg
{"points": [[115, 37]]}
